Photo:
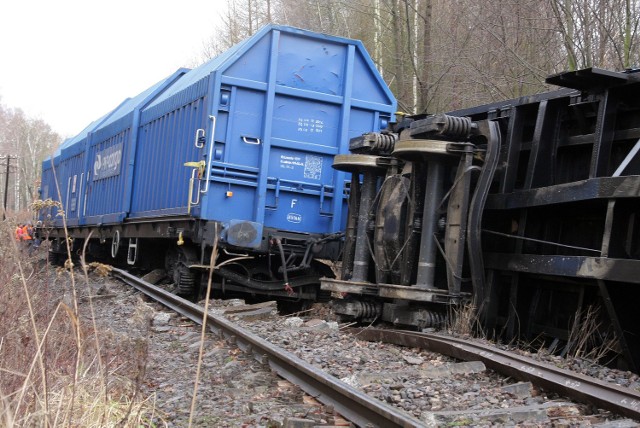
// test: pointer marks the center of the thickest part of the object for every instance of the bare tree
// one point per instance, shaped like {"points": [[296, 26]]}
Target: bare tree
{"points": [[29, 141], [598, 33], [441, 55]]}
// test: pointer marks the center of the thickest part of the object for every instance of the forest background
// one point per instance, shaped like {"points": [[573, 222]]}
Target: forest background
{"points": [[435, 55]]}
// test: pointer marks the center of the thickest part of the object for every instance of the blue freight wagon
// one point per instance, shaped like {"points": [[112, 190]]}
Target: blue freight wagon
{"points": [[237, 151], [58, 174]]}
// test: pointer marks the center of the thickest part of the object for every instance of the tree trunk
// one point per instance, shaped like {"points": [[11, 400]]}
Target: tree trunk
{"points": [[399, 60], [627, 34], [568, 14], [424, 62]]}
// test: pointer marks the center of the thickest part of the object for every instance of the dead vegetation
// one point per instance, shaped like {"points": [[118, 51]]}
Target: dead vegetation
{"points": [[463, 320], [589, 340], [56, 367]]}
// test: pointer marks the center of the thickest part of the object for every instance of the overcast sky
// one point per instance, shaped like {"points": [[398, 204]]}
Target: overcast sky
{"points": [[69, 62]]}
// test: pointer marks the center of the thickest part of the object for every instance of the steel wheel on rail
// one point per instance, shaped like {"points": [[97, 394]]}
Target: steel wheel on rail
{"points": [[177, 262]]}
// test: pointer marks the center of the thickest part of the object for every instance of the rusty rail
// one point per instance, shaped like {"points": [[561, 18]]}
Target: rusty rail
{"points": [[354, 405], [617, 399]]}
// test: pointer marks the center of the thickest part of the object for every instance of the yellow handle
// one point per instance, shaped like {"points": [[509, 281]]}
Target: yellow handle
{"points": [[200, 165]]}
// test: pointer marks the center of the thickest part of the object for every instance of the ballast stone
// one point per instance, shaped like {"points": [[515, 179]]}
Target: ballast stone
{"points": [[161, 319]]}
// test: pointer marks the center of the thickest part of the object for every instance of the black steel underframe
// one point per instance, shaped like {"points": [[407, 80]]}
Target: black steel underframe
{"points": [[199, 232], [600, 123]]}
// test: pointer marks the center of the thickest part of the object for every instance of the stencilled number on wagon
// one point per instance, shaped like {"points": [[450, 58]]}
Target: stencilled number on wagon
{"points": [[310, 125], [312, 167]]}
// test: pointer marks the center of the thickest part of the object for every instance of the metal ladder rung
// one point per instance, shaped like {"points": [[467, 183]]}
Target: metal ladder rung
{"points": [[132, 252]]}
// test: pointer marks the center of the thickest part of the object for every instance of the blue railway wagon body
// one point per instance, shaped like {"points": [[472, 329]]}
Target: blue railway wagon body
{"points": [[48, 188], [272, 112], [243, 144], [111, 155], [66, 183], [72, 160]]}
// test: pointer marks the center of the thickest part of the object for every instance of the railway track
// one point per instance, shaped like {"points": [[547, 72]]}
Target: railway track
{"points": [[354, 405], [365, 410], [619, 400]]}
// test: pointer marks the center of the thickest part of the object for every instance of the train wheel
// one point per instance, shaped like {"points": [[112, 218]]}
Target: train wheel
{"points": [[185, 280], [115, 244], [57, 253], [177, 262], [55, 258]]}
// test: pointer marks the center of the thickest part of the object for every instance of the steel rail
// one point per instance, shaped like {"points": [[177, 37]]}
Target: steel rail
{"points": [[615, 398], [352, 404]]}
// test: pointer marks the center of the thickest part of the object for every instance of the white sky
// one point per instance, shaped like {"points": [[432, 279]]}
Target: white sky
{"points": [[69, 62]]}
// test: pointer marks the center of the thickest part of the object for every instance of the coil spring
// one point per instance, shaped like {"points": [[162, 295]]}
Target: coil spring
{"points": [[382, 143], [432, 319], [186, 281], [385, 142], [455, 126], [367, 310]]}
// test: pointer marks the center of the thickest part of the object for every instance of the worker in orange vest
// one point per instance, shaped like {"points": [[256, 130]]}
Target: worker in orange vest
{"points": [[26, 232], [19, 232]]}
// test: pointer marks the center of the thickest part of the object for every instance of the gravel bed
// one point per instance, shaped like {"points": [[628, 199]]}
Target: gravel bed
{"points": [[625, 379], [434, 388], [235, 390]]}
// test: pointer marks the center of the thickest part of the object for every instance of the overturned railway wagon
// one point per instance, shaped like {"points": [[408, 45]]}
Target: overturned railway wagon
{"points": [[237, 151], [528, 209]]}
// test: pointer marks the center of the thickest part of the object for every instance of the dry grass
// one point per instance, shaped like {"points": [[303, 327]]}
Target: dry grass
{"points": [[463, 320], [589, 340], [56, 367]]}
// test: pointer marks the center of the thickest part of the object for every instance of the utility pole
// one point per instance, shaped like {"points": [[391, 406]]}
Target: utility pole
{"points": [[6, 189]]}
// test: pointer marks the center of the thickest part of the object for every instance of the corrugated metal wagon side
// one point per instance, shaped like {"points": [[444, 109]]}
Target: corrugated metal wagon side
{"points": [[239, 149], [48, 188], [65, 180], [261, 123], [165, 142], [111, 158]]}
